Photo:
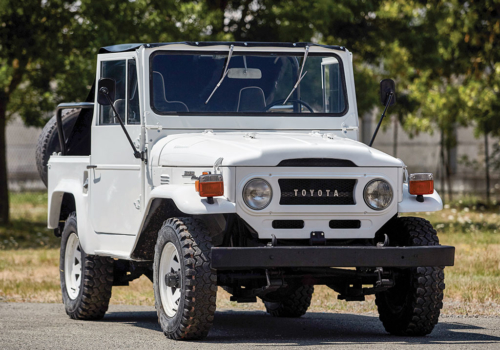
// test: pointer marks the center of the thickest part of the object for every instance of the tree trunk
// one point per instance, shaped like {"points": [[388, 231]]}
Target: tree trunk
{"points": [[443, 166], [4, 191], [487, 165], [448, 173]]}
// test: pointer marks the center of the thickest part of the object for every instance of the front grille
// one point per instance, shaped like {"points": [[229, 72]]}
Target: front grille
{"points": [[345, 224], [288, 224], [317, 162], [317, 191]]}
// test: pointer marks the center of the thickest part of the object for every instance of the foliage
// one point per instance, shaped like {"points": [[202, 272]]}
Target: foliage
{"points": [[443, 54]]}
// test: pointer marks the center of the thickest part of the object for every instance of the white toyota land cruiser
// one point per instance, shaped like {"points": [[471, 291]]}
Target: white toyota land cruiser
{"points": [[206, 164]]}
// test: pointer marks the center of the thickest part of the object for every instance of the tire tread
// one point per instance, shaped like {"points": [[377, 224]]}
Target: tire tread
{"points": [[427, 286], [200, 282]]}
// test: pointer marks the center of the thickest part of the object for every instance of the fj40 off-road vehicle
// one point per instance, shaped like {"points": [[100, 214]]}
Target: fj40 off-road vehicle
{"points": [[206, 164]]}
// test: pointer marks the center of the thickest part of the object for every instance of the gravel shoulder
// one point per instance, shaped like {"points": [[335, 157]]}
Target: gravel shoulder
{"points": [[46, 326]]}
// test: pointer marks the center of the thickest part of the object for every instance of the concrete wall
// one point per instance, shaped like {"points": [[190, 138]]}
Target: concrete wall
{"points": [[422, 154], [21, 166]]}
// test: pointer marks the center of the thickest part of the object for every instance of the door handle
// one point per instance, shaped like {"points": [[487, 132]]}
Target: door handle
{"points": [[91, 166]]}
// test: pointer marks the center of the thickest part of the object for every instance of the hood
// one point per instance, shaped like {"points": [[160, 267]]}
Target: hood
{"points": [[262, 149]]}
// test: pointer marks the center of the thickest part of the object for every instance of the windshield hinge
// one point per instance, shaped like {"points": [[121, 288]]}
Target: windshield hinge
{"points": [[346, 127]]}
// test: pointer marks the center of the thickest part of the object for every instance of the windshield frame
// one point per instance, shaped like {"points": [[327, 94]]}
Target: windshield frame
{"points": [[298, 54]]}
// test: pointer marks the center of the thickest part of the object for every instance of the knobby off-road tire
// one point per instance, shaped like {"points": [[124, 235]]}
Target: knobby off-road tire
{"points": [[185, 312], [413, 305], [48, 141], [87, 296], [292, 305]]}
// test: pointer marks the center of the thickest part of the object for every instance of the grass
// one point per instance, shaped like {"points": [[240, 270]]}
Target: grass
{"points": [[28, 226], [29, 260]]}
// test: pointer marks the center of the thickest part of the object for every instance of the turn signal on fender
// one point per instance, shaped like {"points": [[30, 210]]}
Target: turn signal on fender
{"points": [[421, 183], [210, 185]]}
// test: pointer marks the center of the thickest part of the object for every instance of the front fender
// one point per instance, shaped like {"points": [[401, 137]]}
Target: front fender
{"points": [[189, 201], [409, 204]]}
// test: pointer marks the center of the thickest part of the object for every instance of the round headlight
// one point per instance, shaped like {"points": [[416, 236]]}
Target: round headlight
{"points": [[378, 194], [257, 194]]}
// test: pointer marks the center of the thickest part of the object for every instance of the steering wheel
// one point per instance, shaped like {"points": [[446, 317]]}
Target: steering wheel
{"points": [[280, 102]]}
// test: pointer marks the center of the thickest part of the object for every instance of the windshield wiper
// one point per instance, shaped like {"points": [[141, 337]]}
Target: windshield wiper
{"points": [[224, 74], [300, 75]]}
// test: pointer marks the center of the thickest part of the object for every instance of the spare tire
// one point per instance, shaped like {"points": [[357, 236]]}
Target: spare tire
{"points": [[48, 142]]}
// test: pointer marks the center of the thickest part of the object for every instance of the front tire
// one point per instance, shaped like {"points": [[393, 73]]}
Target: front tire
{"points": [[86, 280], [413, 305], [185, 286]]}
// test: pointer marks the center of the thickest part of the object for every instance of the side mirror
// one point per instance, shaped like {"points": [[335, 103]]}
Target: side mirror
{"points": [[386, 87], [106, 88]]}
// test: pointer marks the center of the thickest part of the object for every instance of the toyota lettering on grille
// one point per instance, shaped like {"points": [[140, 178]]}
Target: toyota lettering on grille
{"points": [[317, 191]]}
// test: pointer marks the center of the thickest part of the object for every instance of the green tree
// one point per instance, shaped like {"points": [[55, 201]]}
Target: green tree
{"points": [[48, 48], [33, 43], [48, 51]]}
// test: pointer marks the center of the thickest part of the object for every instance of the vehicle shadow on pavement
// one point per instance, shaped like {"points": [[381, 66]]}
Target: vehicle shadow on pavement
{"points": [[315, 328]]}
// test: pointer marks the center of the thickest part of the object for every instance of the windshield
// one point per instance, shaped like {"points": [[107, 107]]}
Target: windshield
{"points": [[246, 83]]}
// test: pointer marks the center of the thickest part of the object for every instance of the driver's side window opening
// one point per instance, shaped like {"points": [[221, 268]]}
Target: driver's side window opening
{"points": [[116, 71], [124, 73]]}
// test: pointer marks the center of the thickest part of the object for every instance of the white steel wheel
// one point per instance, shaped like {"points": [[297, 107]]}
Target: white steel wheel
{"points": [[73, 266], [170, 293]]}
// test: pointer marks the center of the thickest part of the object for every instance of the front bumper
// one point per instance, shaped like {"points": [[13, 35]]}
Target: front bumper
{"points": [[246, 258]]}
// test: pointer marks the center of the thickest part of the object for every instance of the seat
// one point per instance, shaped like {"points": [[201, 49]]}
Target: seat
{"points": [[160, 98], [251, 99]]}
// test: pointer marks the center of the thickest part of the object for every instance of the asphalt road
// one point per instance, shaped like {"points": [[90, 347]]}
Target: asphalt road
{"points": [[46, 326]]}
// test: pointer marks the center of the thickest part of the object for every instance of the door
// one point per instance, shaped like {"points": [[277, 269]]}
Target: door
{"points": [[115, 184]]}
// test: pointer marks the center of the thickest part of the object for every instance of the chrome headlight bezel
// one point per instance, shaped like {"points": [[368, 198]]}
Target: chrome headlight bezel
{"points": [[245, 194], [365, 195]]}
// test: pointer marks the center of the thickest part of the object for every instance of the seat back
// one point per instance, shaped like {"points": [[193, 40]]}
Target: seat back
{"points": [[251, 99], [160, 97]]}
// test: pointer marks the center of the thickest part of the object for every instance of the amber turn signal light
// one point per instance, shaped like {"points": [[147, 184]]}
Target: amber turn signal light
{"points": [[210, 185], [421, 183]]}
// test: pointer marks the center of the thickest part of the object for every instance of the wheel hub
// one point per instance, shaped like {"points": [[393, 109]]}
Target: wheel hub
{"points": [[172, 279]]}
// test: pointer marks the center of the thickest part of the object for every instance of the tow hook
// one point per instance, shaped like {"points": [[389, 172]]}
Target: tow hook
{"points": [[172, 279], [386, 241], [274, 241]]}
